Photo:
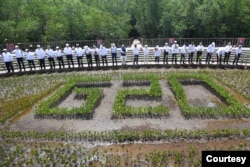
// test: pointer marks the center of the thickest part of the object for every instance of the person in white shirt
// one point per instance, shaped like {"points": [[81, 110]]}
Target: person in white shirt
{"points": [[123, 54], [7, 59], [88, 53], [30, 58], [59, 57], [40, 56], [219, 53], [191, 49], [79, 54], [68, 52], [210, 51], [19, 57], [96, 54], [113, 51], [183, 52], [165, 55], [228, 50], [238, 52], [175, 51], [136, 54], [157, 52], [146, 54], [103, 53], [199, 49], [50, 53]]}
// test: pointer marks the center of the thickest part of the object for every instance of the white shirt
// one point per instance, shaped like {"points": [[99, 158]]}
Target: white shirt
{"points": [[40, 53], [87, 51], [7, 57], [210, 48], [166, 48], [95, 51], [191, 48], [136, 51], [157, 52], [200, 48], [228, 48], [29, 55], [50, 52], [145, 51], [220, 51], [58, 53], [113, 49], [183, 49], [18, 53], [238, 50], [67, 50], [175, 48], [103, 51], [79, 51]]}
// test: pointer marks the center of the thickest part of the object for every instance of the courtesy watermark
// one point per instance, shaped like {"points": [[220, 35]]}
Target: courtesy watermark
{"points": [[226, 158]]}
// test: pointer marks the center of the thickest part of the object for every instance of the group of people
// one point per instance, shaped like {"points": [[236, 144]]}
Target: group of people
{"points": [[100, 55], [190, 49]]}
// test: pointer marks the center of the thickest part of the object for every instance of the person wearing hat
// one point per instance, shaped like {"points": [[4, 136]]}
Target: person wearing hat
{"points": [[103, 53], [165, 54], [68, 52], [88, 56], [113, 51], [175, 51], [59, 57], [157, 54], [40, 53], [210, 51], [96, 54], [7, 59], [238, 52], [19, 57], [123, 54], [79, 54], [145, 54], [50, 53], [199, 49], [219, 53], [30, 58]]}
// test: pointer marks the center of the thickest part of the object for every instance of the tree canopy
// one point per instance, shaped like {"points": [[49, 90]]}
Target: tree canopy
{"points": [[55, 20]]}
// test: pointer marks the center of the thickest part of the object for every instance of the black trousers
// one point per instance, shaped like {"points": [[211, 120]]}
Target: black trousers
{"points": [[236, 58], [42, 63], [165, 57], [20, 63], [157, 59], [174, 58], [89, 60], [31, 64], [97, 60], [209, 55], [104, 58], [9, 66], [136, 59], [199, 54], [226, 58], [79, 61], [219, 58], [60, 61], [182, 58], [190, 58], [52, 63], [70, 59], [114, 59]]}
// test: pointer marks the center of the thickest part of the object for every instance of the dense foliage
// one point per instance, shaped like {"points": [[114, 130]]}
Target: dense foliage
{"points": [[55, 20]]}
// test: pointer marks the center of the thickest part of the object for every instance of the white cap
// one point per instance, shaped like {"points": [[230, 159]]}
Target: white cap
{"points": [[16, 46], [67, 44], [166, 43], [57, 47], [26, 50], [4, 50], [213, 43], [146, 45], [38, 46], [77, 44]]}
